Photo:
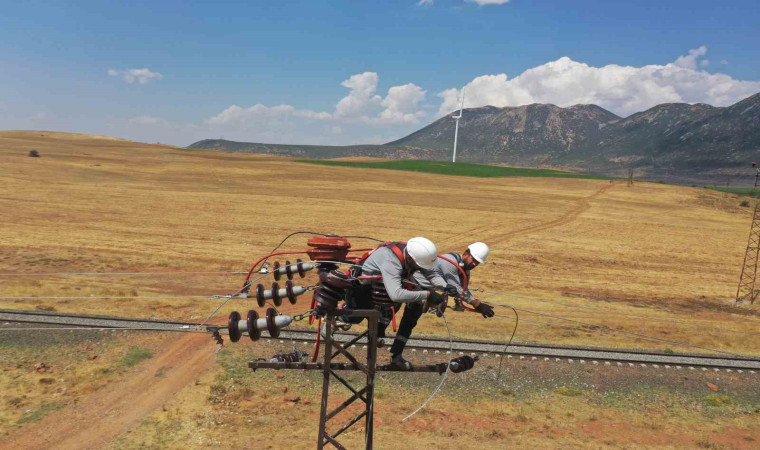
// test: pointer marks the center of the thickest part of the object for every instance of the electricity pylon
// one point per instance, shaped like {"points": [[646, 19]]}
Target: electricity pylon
{"points": [[745, 293]]}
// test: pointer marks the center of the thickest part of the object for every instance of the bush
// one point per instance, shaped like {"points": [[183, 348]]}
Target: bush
{"points": [[744, 204], [568, 392], [718, 400], [34, 154], [135, 355]]}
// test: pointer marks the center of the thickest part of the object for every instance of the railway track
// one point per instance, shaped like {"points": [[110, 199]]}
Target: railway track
{"points": [[522, 351]]}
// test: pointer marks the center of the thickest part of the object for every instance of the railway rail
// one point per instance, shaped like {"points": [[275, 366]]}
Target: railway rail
{"points": [[523, 351]]}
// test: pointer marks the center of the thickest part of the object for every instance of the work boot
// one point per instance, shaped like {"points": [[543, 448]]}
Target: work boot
{"points": [[399, 362]]}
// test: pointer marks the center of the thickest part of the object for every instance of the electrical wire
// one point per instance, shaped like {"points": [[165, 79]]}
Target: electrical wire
{"points": [[38, 274], [609, 330], [262, 263], [156, 297], [364, 237], [506, 346], [85, 328], [230, 297], [445, 374], [605, 310]]}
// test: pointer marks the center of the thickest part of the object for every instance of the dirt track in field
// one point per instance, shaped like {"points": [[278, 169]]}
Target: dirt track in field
{"points": [[579, 207], [94, 421]]}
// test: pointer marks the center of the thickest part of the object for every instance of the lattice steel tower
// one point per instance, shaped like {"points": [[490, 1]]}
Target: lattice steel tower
{"points": [[746, 291]]}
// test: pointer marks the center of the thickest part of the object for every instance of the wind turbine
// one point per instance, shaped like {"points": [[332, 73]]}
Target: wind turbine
{"points": [[456, 128]]}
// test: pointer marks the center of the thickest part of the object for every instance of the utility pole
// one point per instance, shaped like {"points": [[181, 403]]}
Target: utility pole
{"points": [[456, 128]]}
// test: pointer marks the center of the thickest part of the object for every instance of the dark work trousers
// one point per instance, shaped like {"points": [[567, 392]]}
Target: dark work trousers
{"points": [[360, 297], [412, 313]]}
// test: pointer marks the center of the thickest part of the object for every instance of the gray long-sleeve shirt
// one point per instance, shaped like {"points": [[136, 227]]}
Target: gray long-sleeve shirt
{"points": [[384, 262], [446, 275]]}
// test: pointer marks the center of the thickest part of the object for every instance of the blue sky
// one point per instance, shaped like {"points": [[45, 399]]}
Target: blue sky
{"points": [[342, 72]]}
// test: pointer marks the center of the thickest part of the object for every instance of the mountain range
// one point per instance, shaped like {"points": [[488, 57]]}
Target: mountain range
{"points": [[696, 139]]}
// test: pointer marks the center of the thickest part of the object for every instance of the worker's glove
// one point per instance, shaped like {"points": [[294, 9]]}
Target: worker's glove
{"points": [[485, 309], [451, 291], [435, 298]]}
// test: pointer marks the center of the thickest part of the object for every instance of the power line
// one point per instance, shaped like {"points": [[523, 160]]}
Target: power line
{"points": [[137, 297], [638, 316], [610, 330], [39, 274]]}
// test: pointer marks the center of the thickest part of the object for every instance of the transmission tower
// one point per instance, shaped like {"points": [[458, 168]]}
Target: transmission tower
{"points": [[745, 293]]}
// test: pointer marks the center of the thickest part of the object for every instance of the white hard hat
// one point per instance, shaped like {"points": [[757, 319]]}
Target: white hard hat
{"points": [[479, 251], [422, 251]]}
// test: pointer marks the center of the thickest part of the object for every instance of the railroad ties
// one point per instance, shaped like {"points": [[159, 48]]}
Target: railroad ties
{"points": [[482, 349]]}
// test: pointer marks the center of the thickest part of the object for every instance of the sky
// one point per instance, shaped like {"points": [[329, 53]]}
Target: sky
{"points": [[356, 72]]}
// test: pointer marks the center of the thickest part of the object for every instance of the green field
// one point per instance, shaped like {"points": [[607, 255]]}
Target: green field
{"points": [[461, 169], [744, 191]]}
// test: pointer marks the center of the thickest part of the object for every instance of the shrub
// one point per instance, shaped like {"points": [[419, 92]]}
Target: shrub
{"points": [[135, 355], [744, 204], [34, 154], [718, 400], [568, 392]]}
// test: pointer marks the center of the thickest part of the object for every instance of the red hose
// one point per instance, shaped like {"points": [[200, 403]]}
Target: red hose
{"points": [[316, 346], [466, 279]]}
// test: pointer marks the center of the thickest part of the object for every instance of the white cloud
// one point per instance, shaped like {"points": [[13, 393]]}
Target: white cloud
{"points": [[402, 105], [424, 2], [621, 89], [690, 61], [141, 76], [489, 2], [362, 99]]}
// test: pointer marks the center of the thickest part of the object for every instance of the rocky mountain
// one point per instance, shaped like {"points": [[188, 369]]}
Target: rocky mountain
{"points": [[525, 135], [672, 137]]}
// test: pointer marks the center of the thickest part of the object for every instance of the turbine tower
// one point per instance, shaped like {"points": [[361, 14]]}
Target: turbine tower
{"points": [[456, 128]]}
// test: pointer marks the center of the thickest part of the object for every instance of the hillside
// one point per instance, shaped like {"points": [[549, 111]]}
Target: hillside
{"points": [[674, 137]]}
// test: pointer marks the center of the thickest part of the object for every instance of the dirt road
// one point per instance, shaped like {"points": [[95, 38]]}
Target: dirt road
{"points": [[97, 419]]}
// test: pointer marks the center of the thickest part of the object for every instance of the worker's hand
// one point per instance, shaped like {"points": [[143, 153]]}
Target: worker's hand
{"points": [[451, 290], [485, 309], [435, 298]]}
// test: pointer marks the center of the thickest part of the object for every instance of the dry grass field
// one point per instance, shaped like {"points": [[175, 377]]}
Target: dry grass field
{"points": [[652, 259]]}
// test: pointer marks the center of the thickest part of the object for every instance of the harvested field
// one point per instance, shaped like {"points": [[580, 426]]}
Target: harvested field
{"points": [[651, 259]]}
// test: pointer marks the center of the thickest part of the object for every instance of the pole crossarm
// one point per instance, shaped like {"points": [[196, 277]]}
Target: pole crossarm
{"points": [[436, 368]]}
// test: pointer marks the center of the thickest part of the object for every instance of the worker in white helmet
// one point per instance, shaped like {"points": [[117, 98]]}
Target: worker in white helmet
{"points": [[395, 263], [449, 279]]}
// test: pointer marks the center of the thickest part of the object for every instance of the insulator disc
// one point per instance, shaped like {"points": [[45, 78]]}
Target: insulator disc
{"points": [[276, 272], [253, 332], [289, 289], [271, 327], [276, 294], [260, 295], [288, 270], [232, 326]]}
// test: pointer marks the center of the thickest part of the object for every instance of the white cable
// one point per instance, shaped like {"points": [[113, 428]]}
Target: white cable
{"points": [[445, 374]]}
